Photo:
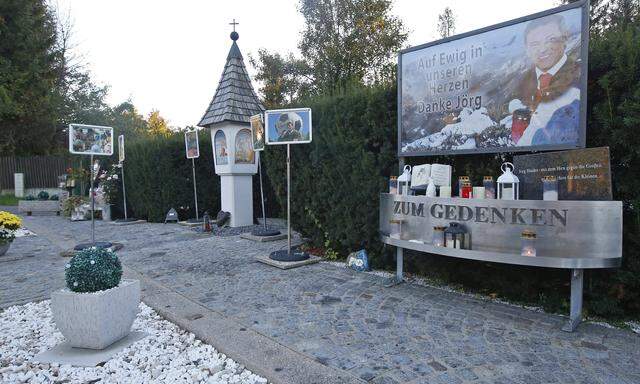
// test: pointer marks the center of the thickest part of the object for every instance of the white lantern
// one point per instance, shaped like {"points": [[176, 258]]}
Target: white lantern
{"points": [[508, 183], [404, 181]]}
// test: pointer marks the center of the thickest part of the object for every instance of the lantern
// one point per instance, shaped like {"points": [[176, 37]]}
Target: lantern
{"points": [[508, 183], [457, 236], [206, 222], [404, 181]]}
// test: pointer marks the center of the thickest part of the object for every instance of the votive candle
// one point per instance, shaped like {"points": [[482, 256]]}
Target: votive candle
{"points": [[445, 191]]}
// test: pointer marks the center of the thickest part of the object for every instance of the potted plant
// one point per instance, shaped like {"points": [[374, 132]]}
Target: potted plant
{"points": [[9, 224], [97, 308], [40, 205]]}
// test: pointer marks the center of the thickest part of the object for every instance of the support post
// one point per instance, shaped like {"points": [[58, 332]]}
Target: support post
{"points": [[399, 264], [195, 192], [264, 213], [575, 315], [93, 205], [124, 191], [289, 198]]}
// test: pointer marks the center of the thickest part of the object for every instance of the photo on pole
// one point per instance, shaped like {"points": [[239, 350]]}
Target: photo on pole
{"points": [[257, 132], [288, 126], [121, 148], [192, 145], [517, 86], [90, 140]]}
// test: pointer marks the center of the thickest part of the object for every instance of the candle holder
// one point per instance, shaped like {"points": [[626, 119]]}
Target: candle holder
{"points": [[461, 181], [457, 236], [445, 191], [550, 188], [489, 187], [438, 236], [528, 243], [467, 190], [393, 185], [479, 193]]}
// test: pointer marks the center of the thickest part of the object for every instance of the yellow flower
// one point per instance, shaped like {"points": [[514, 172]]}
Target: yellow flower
{"points": [[9, 221]]}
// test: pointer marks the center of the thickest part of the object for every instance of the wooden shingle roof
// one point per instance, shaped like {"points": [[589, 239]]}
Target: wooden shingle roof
{"points": [[234, 100]]}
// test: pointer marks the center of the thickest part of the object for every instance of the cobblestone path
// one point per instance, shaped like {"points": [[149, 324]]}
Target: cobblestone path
{"points": [[350, 321]]}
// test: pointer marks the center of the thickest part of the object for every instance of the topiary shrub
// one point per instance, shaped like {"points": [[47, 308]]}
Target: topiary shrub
{"points": [[54, 197], [30, 198], [43, 195], [93, 269]]}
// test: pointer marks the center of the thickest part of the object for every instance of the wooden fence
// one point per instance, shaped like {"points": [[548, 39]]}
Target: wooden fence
{"points": [[39, 171]]}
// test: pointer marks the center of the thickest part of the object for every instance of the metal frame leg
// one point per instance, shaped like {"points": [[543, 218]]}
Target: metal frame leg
{"points": [[575, 316], [399, 267]]}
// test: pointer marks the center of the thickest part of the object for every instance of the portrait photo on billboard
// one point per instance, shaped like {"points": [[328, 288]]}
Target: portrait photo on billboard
{"points": [[257, 132], [191, 144], [90, 140], [288, 126], [515, 86]]}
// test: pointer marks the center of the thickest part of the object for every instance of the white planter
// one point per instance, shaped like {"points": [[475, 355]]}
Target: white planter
{"points": [[99, 319], [4, 248], [39, 206], [106, 212]]}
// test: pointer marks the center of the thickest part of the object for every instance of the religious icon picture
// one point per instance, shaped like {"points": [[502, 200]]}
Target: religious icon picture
{"points": [[257, 132], [220, 146], [121, 148], [90, 140], [288, 126], [191, 144], [244, 150]]}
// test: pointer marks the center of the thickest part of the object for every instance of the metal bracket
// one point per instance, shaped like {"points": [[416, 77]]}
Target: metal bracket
{"points": [[399, 269]]}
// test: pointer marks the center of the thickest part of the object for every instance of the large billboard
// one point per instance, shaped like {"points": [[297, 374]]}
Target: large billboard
{"points": [[515, 86]]}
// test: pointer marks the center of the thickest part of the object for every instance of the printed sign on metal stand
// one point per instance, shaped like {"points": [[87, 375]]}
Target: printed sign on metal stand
{"points": [[257, 138], [92, 140], [192, 148], [288, 126]]}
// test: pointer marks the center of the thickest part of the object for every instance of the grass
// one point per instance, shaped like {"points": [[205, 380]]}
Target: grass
{"points": [[8, 200]]}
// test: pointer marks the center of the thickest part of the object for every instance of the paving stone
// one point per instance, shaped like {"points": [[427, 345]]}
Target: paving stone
{"points": [[340, 318]]}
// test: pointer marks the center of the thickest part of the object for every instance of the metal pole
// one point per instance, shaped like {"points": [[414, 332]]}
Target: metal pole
{"points": [[289, 196], [93, 204], [124, 192], [575, 314], [264, 214], [195, 192]]}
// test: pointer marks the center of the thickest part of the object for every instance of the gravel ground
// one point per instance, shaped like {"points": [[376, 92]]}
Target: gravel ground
{"points": [[167, 355]]}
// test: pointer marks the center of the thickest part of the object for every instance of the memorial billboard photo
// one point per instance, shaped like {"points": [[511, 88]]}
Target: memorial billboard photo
{"points": [[288, 126], [90, 140], [515, 86]]}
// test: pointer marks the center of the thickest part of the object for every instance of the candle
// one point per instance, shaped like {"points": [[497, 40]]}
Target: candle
{"points": [[445, 191], [528, 240], [489, 187], [478, 192], [466, 191], [549, 188], [438, 236]]}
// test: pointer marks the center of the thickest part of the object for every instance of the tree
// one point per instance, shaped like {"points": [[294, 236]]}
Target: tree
{"points": [[157, 125], [282, 78], [446, 23], [29, 71], [349, 41]]}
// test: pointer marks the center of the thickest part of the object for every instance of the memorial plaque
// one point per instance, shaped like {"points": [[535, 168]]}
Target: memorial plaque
{"points": [[583, 174]]}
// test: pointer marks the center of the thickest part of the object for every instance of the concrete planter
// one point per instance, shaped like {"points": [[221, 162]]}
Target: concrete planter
{"points": [[39, 206], [4, 248], [106, 212], [99, 319]]}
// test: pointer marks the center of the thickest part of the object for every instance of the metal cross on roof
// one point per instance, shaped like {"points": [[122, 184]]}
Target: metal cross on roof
{"points": [[234, 24]]}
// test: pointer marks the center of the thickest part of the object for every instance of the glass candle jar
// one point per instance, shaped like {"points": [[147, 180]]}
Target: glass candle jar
{"points": [[478, 192], [438, 236], [489, 187], [393, 185], [528, 243], [461, 181], [550, 188], [466, 191], [445, 191]]}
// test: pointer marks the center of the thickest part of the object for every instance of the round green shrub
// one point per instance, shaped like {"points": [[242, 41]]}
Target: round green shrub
{"points": [[43, 195], [54, 197], [93, 269], [30, 197]]}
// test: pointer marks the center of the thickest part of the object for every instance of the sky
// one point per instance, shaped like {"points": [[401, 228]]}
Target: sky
{"points": [[169, 55]]}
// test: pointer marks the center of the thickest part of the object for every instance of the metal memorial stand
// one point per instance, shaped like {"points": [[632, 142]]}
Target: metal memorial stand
{"points": [[399, 279], [195, 191], [287, 255], [263, 231], [124, 191], [93, 243]]}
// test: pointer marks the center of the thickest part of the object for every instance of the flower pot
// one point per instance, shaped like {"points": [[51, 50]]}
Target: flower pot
{"points": [[98, 319], [4, 248]]}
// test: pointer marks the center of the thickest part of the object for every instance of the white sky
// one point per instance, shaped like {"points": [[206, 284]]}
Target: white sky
{"points": [[168, 55]]}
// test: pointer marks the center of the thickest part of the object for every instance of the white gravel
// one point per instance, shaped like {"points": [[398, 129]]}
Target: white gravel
{"points": [[168, 355]]}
